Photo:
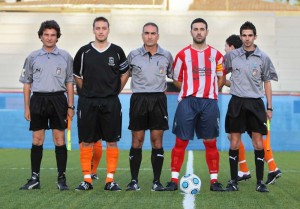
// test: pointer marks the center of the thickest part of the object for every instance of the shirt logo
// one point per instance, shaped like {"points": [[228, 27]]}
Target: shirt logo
{"points": [[233, 158], [111, 61], [255, 72], [211, 59], [161, 69], [58, 71]]}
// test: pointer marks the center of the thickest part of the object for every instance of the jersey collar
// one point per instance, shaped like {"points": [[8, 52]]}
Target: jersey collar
{"points": [[257, 52], [159, 50], [54, 51]]}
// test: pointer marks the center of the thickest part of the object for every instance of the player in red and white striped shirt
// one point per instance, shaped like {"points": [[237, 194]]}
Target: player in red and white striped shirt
{"points": [[199, 74], [198, 71]]}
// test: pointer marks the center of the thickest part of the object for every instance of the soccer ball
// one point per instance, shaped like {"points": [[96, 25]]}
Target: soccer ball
{"points": [[190, 184]]}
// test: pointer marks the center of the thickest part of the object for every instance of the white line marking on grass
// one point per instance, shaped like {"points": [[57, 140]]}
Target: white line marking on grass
{"points": [[189, 199], [190, 161]]}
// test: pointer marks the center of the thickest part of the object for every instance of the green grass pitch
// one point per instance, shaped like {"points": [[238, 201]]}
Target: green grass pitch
{"points": [[15, 169]]}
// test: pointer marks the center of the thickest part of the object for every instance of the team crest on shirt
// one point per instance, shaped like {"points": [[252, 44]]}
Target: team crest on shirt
{"points": [[111, 61], [161, 69], [211, 59], [58, 71], [254, 70]]}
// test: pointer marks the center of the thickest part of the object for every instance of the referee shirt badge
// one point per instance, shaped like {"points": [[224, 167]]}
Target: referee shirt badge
{"points": [[58, 71], [111, 61], [161, 69], [255, 72]]}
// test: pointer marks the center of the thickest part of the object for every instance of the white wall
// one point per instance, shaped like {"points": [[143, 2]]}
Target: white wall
{"points": [[277, 35]]}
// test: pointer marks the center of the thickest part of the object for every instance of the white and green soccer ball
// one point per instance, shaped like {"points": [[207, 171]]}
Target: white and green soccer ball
{"points": [[190, 184]]}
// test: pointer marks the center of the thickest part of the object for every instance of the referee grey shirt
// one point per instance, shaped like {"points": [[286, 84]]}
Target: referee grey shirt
{"points": [[149, 72], [248, 74], [48, 71]]}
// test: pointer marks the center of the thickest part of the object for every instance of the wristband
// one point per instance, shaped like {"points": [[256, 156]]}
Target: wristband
{"points": [[72, 107]]}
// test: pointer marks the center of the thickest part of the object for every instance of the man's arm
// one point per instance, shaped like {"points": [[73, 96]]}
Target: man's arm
{"points": [[78, 81], [227, 83], [177, 84], [124, 79], [268, 92], [70, 95], [221, 82], [26, 92]]}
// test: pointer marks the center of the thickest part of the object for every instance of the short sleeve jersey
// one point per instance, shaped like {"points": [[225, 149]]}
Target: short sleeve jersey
{"points": [[100, 70], [198, 71], [48, 71], [249, 73], [148, 71]]}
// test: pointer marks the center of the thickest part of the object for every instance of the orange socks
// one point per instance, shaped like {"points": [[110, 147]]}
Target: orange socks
{"points": [[97, 154], [269, 158], [112, 155], [242, 159], [86, 154]]}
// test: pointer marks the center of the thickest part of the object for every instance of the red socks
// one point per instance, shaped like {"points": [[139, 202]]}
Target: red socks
{"points": [[212, 158], [177, 157]]}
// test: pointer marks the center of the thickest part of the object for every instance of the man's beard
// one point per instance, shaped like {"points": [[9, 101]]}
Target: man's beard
{"points": [[102, 40], [199, 42]]}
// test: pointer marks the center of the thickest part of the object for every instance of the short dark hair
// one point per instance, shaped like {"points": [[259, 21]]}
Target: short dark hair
{"points": [[197, 20], [100, 19], [152, 24], [235, 41], [49, 24], [248, 26]]}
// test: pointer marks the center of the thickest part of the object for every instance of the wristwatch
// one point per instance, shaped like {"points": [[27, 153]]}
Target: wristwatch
{"points": [[270, 108], [72, 107]]}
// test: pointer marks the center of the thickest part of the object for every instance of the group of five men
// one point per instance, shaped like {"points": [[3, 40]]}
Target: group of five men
{"points": [[101, 70]]}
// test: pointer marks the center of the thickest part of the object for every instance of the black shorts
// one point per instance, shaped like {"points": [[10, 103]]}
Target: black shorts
{"points": [[48, 111], [246, 114], [99, 118], [148, 111]]}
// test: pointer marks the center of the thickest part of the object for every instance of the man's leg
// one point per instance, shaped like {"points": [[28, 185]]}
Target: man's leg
{"points": [[61, 158], [112, 156], [212, 158], [177, 158], [157, 158], [36, 155], [135, 159], [86, 155], [135, 155], [213, 163], [97, 154], [259, 161], [244, 172], [274, 172], [233, 161]]}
